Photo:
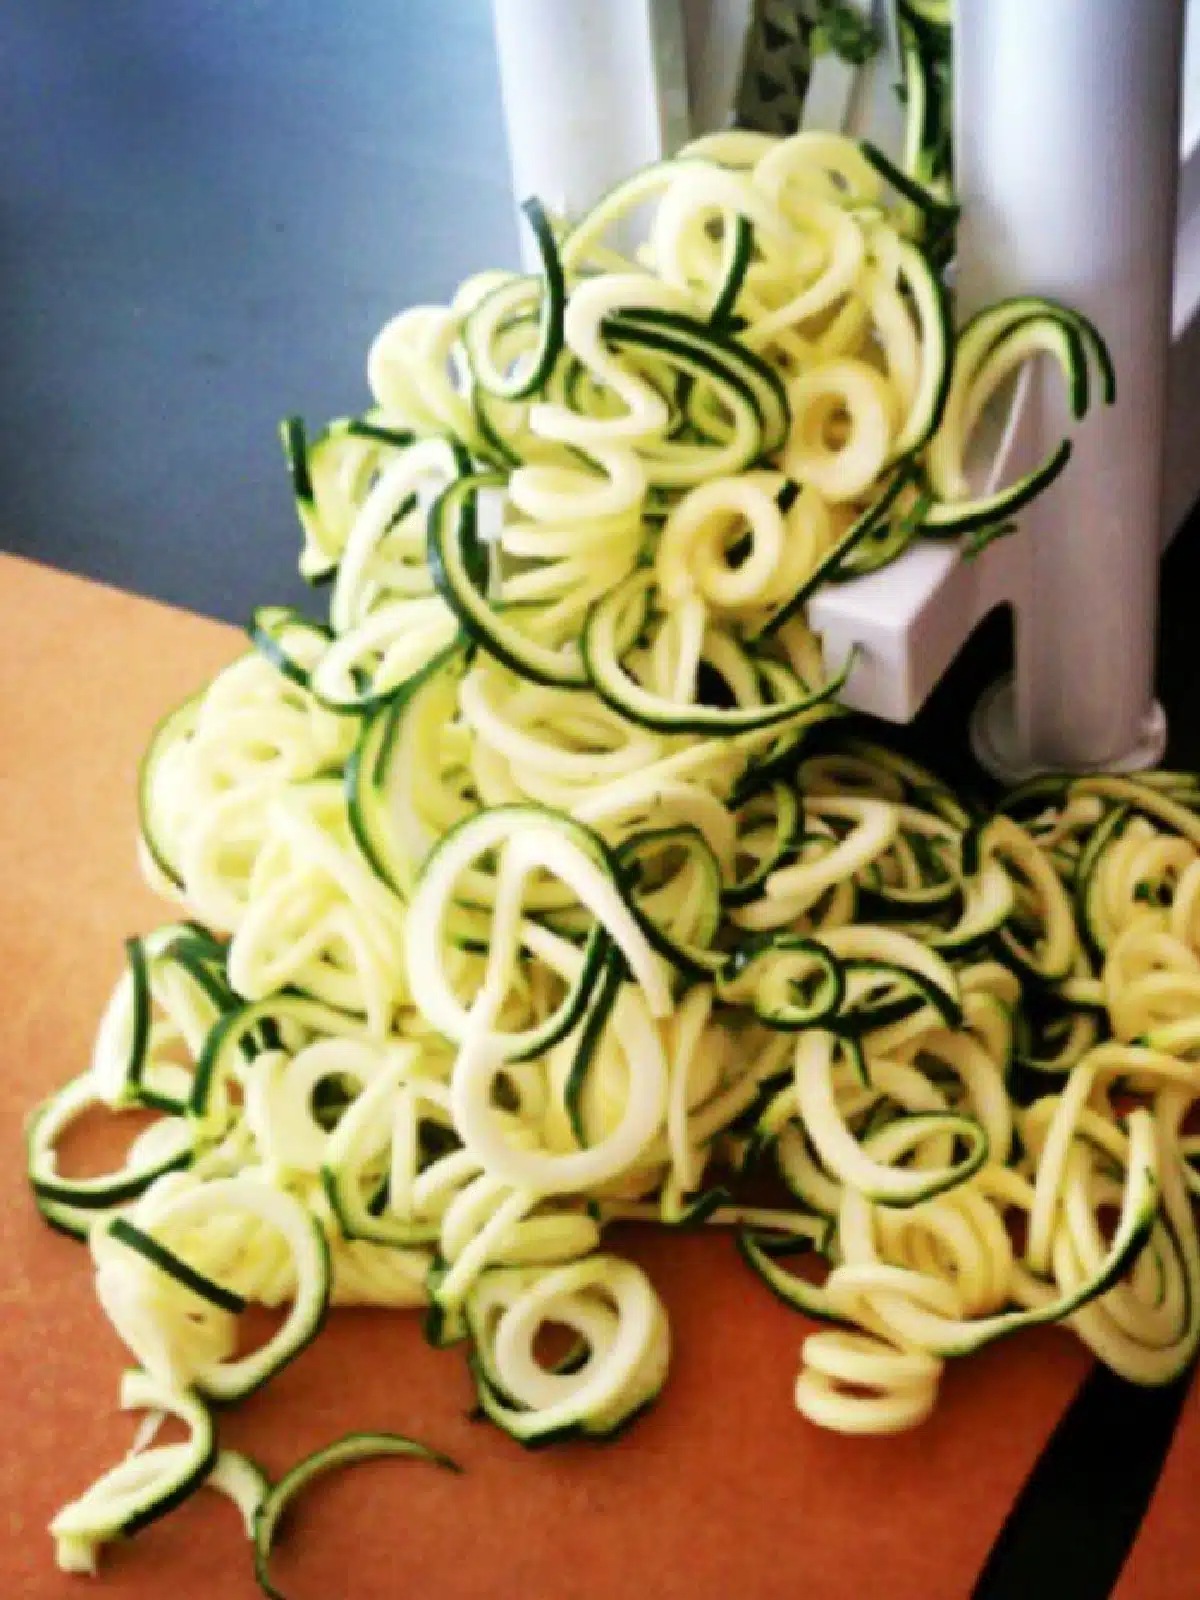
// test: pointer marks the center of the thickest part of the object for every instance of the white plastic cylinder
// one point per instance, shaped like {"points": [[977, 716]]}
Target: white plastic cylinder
{"points": [[1067, 157], [591, 92]]}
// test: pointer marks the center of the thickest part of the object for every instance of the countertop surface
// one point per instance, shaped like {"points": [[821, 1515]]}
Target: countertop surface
{"points": [[722, 1490]]}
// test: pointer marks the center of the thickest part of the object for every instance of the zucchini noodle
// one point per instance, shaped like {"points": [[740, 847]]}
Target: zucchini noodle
{"points": [[543, 890]]}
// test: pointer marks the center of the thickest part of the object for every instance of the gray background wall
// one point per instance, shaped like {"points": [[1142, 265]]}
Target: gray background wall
{"points": [[207, 208]]}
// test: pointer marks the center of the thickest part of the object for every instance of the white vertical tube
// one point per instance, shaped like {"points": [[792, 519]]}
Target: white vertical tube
{"points": [[591, 92], [1067, 166]]}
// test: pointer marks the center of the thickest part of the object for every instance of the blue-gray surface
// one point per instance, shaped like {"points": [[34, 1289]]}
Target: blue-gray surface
{"points": [[206, 211]]}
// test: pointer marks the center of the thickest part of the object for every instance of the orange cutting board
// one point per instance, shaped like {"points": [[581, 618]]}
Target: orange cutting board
{"points": [[721, 1491]]}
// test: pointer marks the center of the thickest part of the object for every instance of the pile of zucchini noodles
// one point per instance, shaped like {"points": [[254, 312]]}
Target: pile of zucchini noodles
{"points": [[543, 889]]}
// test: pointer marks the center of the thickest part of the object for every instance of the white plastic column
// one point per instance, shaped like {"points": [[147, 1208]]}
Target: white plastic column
{"points": [[1067, 166], [592, 90]]}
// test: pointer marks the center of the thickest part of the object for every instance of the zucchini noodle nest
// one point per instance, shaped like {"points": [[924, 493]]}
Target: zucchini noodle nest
{"points": [[543, 888]]}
